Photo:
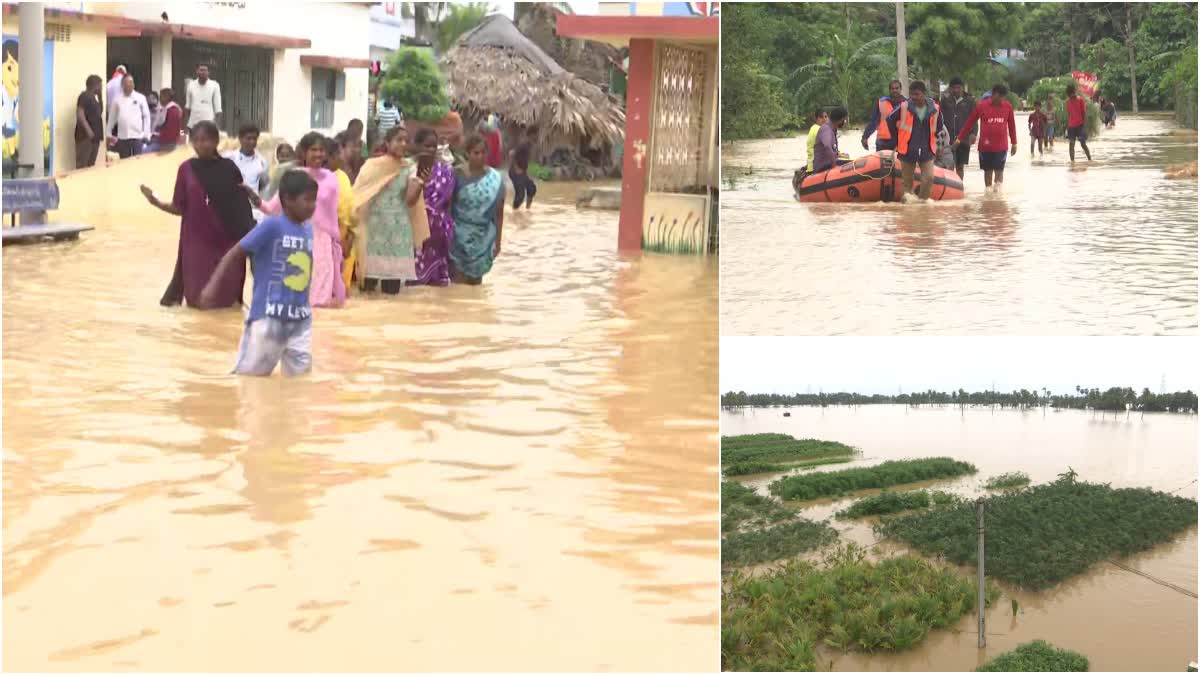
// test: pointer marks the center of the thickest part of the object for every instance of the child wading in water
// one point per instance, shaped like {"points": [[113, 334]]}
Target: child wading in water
{"points": [[279, 325], [1037, 128]]}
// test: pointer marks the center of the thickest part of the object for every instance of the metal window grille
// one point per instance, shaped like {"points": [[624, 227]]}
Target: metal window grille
{"points": [[678, 119]]}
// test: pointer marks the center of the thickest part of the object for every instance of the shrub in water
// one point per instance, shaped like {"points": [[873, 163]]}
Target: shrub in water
{"points": [[741, 506], [887, 474], [1040, 536], [775, 543], [1013, 479], [1038, 656], [894, 502]]}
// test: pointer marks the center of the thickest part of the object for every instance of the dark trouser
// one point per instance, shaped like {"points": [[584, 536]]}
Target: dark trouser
{"points": [[129, 147], [1078, 133], [889, 144], [86, 152], [389, 286], [523, 188], [1035, 140]]}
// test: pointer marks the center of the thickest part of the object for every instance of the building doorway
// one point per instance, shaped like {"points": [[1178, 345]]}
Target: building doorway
{"points": [[244, 73], [134, 54]]}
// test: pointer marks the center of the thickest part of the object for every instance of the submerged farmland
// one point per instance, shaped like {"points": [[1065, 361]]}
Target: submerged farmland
{"points": [[887, 474], [772, 453]]}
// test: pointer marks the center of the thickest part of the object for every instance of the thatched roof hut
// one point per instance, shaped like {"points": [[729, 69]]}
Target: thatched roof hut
{"points": [[496, 69]]}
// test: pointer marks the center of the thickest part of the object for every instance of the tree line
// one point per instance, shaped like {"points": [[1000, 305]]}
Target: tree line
{"points": [[780, 61], [1114, 398]]}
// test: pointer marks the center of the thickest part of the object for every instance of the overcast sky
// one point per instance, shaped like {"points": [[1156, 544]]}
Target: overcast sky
{"points": [[583, 8], [870, 365]]}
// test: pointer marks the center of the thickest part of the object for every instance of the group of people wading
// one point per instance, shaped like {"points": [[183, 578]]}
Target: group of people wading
{"points": [[924, 134], [325, 222]]}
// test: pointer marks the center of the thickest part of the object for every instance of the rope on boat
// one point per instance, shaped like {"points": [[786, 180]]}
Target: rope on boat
{"points": [[1155, 579]]}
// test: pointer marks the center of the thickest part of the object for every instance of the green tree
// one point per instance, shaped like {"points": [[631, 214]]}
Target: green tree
{"points": [[947, 38], [414, 84], [839, 72], [459, 19]]}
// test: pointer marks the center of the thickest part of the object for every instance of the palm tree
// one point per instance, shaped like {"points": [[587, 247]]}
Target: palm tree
{"points": [[838, 72]]}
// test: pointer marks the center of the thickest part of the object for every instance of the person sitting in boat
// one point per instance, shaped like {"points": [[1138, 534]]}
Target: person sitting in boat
{"points": [[820, 117], [885, 139], [825, 154], [915, 126]]}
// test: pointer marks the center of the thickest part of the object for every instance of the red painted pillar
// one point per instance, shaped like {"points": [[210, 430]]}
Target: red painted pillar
{"points": [[639, 97]]}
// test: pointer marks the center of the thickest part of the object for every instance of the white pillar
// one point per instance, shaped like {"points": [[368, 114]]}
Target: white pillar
{"points": [[32, 32], [160, 62]]}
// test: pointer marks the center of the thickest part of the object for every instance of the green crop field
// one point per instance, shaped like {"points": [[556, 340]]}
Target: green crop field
{"points": [[887, 474], [777, 542], [768, 453], [1038, 656], [776, 621], [893, 502], [1048, 533], [742, 507]]}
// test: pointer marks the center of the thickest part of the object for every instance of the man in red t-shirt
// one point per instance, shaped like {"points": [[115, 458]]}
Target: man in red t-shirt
{"points": [[997, 132], [1076, 122], [491, 136], [167, 136]]}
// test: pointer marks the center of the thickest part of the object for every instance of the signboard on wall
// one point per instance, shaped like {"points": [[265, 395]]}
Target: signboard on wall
{"points": [[691, 9], [1086, 83], [11, 95]]}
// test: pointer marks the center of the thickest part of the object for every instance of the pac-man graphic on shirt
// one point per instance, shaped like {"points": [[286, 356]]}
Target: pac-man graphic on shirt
{"points": [[302, 261]]}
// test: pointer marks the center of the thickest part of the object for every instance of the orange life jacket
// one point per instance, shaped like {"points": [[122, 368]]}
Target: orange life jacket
{"points": [[905, 126], [885, 108]]}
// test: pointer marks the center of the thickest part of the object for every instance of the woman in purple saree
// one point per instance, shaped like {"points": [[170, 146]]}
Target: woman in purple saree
{"points": [[433, 256]]}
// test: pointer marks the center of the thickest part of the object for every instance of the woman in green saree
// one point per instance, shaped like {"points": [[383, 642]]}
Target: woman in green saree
{"points": [[478, 211], [390, 212]]}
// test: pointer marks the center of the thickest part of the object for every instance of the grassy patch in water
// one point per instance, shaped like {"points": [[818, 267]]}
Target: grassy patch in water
{"points": [[1048, 533], [894, 502], [752, 467], [778, 448], [778, 542], [887, 474], [1038, 656], [741, 506], [1012, 479], [775, 621]]}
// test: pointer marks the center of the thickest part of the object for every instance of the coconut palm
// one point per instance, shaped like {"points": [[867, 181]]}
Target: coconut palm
{"points": [[839, 71]]}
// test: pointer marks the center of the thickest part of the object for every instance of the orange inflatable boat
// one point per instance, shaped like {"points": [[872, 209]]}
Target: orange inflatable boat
{"points": [[873, 178]]}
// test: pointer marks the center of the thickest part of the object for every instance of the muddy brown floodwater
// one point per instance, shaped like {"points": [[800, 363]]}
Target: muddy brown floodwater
{"points": [[1119, 620], [1107, 248], [521, 475]]}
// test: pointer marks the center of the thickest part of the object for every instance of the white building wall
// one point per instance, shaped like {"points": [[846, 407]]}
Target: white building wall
{"points": [[335, 29]]}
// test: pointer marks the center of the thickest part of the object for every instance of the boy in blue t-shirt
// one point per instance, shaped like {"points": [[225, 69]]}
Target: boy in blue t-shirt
{"points": [[279, 325]]}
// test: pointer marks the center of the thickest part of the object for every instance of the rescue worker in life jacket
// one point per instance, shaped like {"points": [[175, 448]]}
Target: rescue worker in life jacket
{"points": [[915, 125], [884, 139]]}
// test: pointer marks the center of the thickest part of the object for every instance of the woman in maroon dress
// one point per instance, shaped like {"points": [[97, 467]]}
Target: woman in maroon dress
{"points": [[215, 215]]}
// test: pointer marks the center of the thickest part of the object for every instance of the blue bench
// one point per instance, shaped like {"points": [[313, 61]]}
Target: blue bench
{"points": [[35, 195]]}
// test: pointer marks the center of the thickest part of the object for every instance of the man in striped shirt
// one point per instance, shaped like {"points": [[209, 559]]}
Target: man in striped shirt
{"points": [[388, 117]]}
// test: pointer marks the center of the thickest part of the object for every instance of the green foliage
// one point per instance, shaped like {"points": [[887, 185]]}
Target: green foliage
{"points": [[741, 506], [460, 18], [769, 453], [539, 172], [1012, 479], [1038, 656], [774, 543], [774, 622], [835, 76], [945, 38], [893, 502], [897, 472], [414, 84], [1048, 533], [1180, 401], [749, 468]]}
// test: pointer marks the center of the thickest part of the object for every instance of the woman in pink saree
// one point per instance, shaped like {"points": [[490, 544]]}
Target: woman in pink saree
{"points": [[328, 288]]}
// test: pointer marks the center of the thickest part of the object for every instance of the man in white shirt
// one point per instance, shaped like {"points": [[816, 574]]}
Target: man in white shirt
{"points": [[129, 115], [203, 100], [252, 165]]}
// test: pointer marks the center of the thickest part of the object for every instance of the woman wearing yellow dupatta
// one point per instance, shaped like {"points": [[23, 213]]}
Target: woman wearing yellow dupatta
{"points": [[389, 211], [335, 153]]}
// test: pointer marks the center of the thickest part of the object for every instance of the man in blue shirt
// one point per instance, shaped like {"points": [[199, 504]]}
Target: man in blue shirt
{"points": [[915, 125], [884, 139], [279, 325]]}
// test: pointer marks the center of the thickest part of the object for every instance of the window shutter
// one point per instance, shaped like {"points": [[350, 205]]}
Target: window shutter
{"points": [[339, 93]]}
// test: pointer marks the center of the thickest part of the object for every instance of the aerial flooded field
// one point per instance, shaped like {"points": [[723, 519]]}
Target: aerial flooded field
{"points": [[1091, 544]]}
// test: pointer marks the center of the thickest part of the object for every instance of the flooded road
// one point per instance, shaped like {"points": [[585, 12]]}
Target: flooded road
{"points": [[1107, 248], [521, 475], [1119, 620]]}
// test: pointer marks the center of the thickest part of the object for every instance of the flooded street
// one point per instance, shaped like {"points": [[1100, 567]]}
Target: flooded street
{"points": [[1119, 620], [521, 475], [1106, 248]]}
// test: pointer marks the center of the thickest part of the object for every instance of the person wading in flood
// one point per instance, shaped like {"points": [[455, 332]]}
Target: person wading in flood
{"points": [[997, 130], [1076, 123], [884, 107], [1037, 128], [279, 324], [478, 216], [518, 171], [915, 126], [215, 216], [390, 215], [956, 108]]}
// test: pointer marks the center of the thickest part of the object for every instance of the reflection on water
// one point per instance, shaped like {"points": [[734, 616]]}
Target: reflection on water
{"points": [[1120, 621], [1108, 248], [518, 475]]}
